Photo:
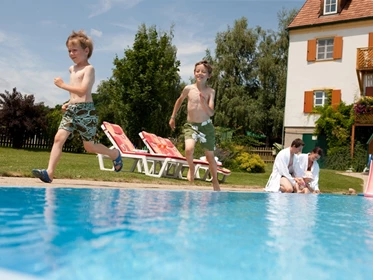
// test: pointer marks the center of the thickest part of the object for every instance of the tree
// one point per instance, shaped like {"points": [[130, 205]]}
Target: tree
{"points": [[21, 116], [144, 84], [268, 110], [250, 68], [233, 77]]}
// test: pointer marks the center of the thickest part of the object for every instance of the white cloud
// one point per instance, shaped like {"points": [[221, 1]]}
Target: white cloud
{"points": [[102, 7], [95, 32], [186, 71], [191, 48], [26, 71], [2, 37], [131, 27], [51, 23], [114, 42], [105, 5], [38, 83]]}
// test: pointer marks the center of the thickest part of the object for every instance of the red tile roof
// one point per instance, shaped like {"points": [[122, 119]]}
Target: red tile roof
{"points": [[310, 15]]}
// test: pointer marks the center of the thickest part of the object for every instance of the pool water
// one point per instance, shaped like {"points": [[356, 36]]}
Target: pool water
{"points": [[83, 233]]}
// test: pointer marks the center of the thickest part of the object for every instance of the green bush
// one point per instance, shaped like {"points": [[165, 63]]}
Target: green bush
{"points": [[360, 158], [339, 158], [251, 163]]}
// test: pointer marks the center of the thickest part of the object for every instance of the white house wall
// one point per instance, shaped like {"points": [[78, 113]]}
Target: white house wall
{"points": [[306, 76]]}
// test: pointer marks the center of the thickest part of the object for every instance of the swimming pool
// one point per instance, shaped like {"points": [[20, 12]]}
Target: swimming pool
{"points": [[81, 233]]}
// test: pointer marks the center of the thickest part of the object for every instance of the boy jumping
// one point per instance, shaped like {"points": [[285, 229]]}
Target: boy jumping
{"points": [[199, 126], [80, 113]]}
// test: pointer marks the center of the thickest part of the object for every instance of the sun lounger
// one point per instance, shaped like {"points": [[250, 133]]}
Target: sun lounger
{"points": [[142, 161], [177, 162]]}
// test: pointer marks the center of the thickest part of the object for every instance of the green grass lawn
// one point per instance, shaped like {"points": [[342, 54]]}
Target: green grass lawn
{"points": [[19, 163]]}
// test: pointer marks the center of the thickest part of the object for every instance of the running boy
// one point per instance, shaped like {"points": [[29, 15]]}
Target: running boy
{"points": [[80, 113], [199, 126]]}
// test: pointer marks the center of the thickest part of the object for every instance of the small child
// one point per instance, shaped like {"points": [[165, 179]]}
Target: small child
{"points": [[80, 113], [307, 178], [199, 126]]}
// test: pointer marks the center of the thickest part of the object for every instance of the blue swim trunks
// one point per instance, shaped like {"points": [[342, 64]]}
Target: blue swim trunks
{"points": [[81, 117]]}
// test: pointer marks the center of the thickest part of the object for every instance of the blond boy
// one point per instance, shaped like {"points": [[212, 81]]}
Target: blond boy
{"points": [[199, 126], [80, 113]]}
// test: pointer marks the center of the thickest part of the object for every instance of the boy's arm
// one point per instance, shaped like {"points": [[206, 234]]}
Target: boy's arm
{"points": [[177, 105], [86, 85], [209, 104], [64, 106]]}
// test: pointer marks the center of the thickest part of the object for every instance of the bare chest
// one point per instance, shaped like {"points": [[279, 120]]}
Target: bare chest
{"points": [[194, 95], [77, 76]]}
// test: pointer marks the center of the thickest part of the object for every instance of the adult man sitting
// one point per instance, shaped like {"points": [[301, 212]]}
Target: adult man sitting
{"points": [[286, 173]]}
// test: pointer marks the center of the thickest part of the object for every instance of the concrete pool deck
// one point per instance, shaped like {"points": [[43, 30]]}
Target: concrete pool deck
{"points": [[34, 182], [69, 183]]}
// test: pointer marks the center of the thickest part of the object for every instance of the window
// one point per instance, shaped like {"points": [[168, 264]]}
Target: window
{"points": [[316, 98], [320, 98], [368, 84], [330, 7], [325, 48]]}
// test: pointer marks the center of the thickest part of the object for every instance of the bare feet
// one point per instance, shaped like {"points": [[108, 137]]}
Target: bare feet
{"points": [[216, 188], [215, 185], [190, 177]]}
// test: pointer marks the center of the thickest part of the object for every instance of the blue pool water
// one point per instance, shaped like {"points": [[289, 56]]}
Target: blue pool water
{"points": [[72, 233]]}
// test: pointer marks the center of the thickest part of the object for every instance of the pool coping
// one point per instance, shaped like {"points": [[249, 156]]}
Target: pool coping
{"points": [[80, 183]]}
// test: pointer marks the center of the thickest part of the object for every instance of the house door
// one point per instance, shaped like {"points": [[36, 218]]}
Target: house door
{"points": [[311, 141]]}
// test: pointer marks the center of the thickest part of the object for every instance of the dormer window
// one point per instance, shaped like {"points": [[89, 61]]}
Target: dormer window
{"points": [[330, 7]]}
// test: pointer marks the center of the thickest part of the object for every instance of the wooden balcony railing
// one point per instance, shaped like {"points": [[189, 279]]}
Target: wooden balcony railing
{"points": [[364, 119], [364, 59]]}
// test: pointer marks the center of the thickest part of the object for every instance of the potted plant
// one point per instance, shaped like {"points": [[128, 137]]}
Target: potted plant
{"points": [[363, 110]]}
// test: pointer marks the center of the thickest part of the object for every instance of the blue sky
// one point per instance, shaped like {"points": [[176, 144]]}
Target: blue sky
{"points": [[33, 34]]}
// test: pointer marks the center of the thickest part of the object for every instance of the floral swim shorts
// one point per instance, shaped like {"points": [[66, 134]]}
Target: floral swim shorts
{"points": [[202, 132], [81, 117]]}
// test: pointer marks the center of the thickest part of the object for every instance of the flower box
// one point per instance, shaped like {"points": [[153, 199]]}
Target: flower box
{"points": [[364, 118], [363, 110]]}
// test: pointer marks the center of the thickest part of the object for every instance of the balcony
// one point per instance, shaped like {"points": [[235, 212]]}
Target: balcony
{"points": [[366, 119], [364, 65], [364, 59]]}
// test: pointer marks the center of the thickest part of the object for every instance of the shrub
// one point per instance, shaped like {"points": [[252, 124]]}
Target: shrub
{"points": [[251, 163], [339, 158], [360, 157]]}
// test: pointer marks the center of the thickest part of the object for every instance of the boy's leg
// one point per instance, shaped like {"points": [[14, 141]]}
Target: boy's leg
{"points": [[93, 148], [189, 151], [210, 157], [55, 155]]}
